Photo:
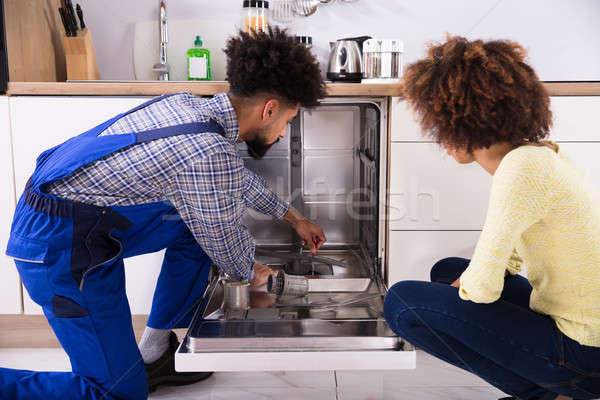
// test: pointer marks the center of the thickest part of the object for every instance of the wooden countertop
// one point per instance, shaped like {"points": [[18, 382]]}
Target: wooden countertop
{"points": [[158, 88], [209, 88]]}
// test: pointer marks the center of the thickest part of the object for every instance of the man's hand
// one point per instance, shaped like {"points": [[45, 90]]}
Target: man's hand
{"points": [[261, 274], [312, 234]]}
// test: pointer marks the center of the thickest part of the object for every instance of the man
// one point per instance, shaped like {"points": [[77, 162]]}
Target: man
{"points": [[163, 175]]}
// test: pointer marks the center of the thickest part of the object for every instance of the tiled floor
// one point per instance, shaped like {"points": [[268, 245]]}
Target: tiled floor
{"points": [[432, 380]]}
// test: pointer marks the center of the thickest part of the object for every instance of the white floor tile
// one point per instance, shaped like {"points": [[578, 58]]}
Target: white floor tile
{"points": [[54, 359], [430, 371], [433, 379], [277, 379], [422, 393], [205, 393]]}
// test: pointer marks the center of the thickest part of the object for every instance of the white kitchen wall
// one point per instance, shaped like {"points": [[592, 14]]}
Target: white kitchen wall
{"points": [[563, 36]]}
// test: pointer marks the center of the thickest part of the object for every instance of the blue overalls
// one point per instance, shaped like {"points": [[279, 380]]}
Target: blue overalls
{"points": [[70, 258]]}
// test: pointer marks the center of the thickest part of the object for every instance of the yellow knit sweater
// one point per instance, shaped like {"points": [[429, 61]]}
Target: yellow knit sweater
{"points": [[543, 213]]}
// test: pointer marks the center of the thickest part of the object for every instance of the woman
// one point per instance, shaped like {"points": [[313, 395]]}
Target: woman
{"points": [[536, 337]]}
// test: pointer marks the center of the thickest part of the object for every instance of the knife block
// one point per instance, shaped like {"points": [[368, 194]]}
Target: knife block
{"points": [[80, 57]]}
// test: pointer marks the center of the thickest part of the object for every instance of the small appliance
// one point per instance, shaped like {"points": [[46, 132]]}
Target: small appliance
{"points": [[345, 60]]}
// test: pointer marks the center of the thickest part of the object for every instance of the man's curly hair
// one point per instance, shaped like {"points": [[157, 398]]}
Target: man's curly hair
{"points": [[272, 62], [472, 94]]}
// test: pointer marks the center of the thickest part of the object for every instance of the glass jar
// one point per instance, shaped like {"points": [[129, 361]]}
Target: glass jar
{"points": [[382, 60], [391, 58], [372, 59], [255, 15]]}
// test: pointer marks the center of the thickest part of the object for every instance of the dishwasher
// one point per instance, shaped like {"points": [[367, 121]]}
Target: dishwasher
{"points": [[324, 311]]}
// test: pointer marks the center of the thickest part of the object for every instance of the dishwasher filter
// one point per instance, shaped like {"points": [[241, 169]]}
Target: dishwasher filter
{"points": [[283, 284]]}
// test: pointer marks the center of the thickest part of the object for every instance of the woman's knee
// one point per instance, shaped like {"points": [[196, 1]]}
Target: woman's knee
{"points": [[401, 297], [447, 270]]}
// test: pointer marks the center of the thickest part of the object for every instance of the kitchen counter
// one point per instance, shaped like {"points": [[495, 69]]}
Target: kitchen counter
{"points": [[133, 88], [158, 88]]}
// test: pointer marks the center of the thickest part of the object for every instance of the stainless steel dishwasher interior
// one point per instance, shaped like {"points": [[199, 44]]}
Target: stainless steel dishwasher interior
{"points": [[329, 168]]}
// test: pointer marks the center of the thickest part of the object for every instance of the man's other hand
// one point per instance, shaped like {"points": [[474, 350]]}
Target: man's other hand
{"points": [[261, 274]]}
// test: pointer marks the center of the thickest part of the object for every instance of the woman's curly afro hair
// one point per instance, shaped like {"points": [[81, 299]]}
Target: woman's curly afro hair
{"points": [[272, 62], [472, 94]]}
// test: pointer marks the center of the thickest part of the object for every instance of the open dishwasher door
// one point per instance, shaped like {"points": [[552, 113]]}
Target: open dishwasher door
{"points": [[338, 326], [332, 168]]}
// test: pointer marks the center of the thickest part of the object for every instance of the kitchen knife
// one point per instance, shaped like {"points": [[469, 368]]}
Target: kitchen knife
{"points": [[72, 18], [80, 15], [66, 25]]}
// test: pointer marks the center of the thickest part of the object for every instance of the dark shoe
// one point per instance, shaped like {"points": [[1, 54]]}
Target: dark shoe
{"points": [[162, 371]]}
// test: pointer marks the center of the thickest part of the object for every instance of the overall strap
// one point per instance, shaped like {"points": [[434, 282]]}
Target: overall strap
{"points": [[149, 102], [182, 129]]}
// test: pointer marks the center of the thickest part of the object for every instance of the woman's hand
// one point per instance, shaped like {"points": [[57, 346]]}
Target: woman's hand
{"points": [[456, 283], [261, 274]]}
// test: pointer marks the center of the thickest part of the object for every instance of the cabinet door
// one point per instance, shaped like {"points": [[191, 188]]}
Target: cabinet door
{"points": [[405, 127], [39, 123], [413, 253], [141, 273], [429, 190], [431, 193], [576, 118], [586, 156], [10, 286]]}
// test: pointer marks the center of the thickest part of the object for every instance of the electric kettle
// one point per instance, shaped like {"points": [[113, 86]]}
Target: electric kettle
{"points": [[345, 60]]}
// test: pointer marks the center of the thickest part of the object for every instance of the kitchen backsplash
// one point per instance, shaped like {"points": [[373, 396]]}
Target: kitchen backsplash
{"points": [[552, 30]]}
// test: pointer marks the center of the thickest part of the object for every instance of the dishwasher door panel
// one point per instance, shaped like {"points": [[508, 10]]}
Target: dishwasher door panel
{"points": [[295, 361]]}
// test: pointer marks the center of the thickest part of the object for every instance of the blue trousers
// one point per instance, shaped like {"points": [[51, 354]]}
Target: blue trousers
{"points": [[70, 258], [92, 320], [507, 344]]}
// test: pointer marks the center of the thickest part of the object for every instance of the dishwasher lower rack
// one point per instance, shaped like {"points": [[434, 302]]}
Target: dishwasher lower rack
{"points": [[319, 331]]}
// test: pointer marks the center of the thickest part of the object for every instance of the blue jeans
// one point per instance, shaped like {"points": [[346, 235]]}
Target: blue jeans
{"points": [[507, 344]]}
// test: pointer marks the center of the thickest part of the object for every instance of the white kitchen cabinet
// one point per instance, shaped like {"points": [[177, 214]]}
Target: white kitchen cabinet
{"points": [[586, 156], [413, 253], [141, 273], [41, 122], [429, 190], [438, 206], [575, 119], [405, 127], [10, 286]]}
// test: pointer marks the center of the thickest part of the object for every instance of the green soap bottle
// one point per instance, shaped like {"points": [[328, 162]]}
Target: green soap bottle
{"points": [[198, 62]]}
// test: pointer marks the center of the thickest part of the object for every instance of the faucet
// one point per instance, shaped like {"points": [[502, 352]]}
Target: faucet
{"points": [[162, 68]]}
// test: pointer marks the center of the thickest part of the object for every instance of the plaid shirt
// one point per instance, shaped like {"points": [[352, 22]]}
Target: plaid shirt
{"points": [[200, 174]]}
